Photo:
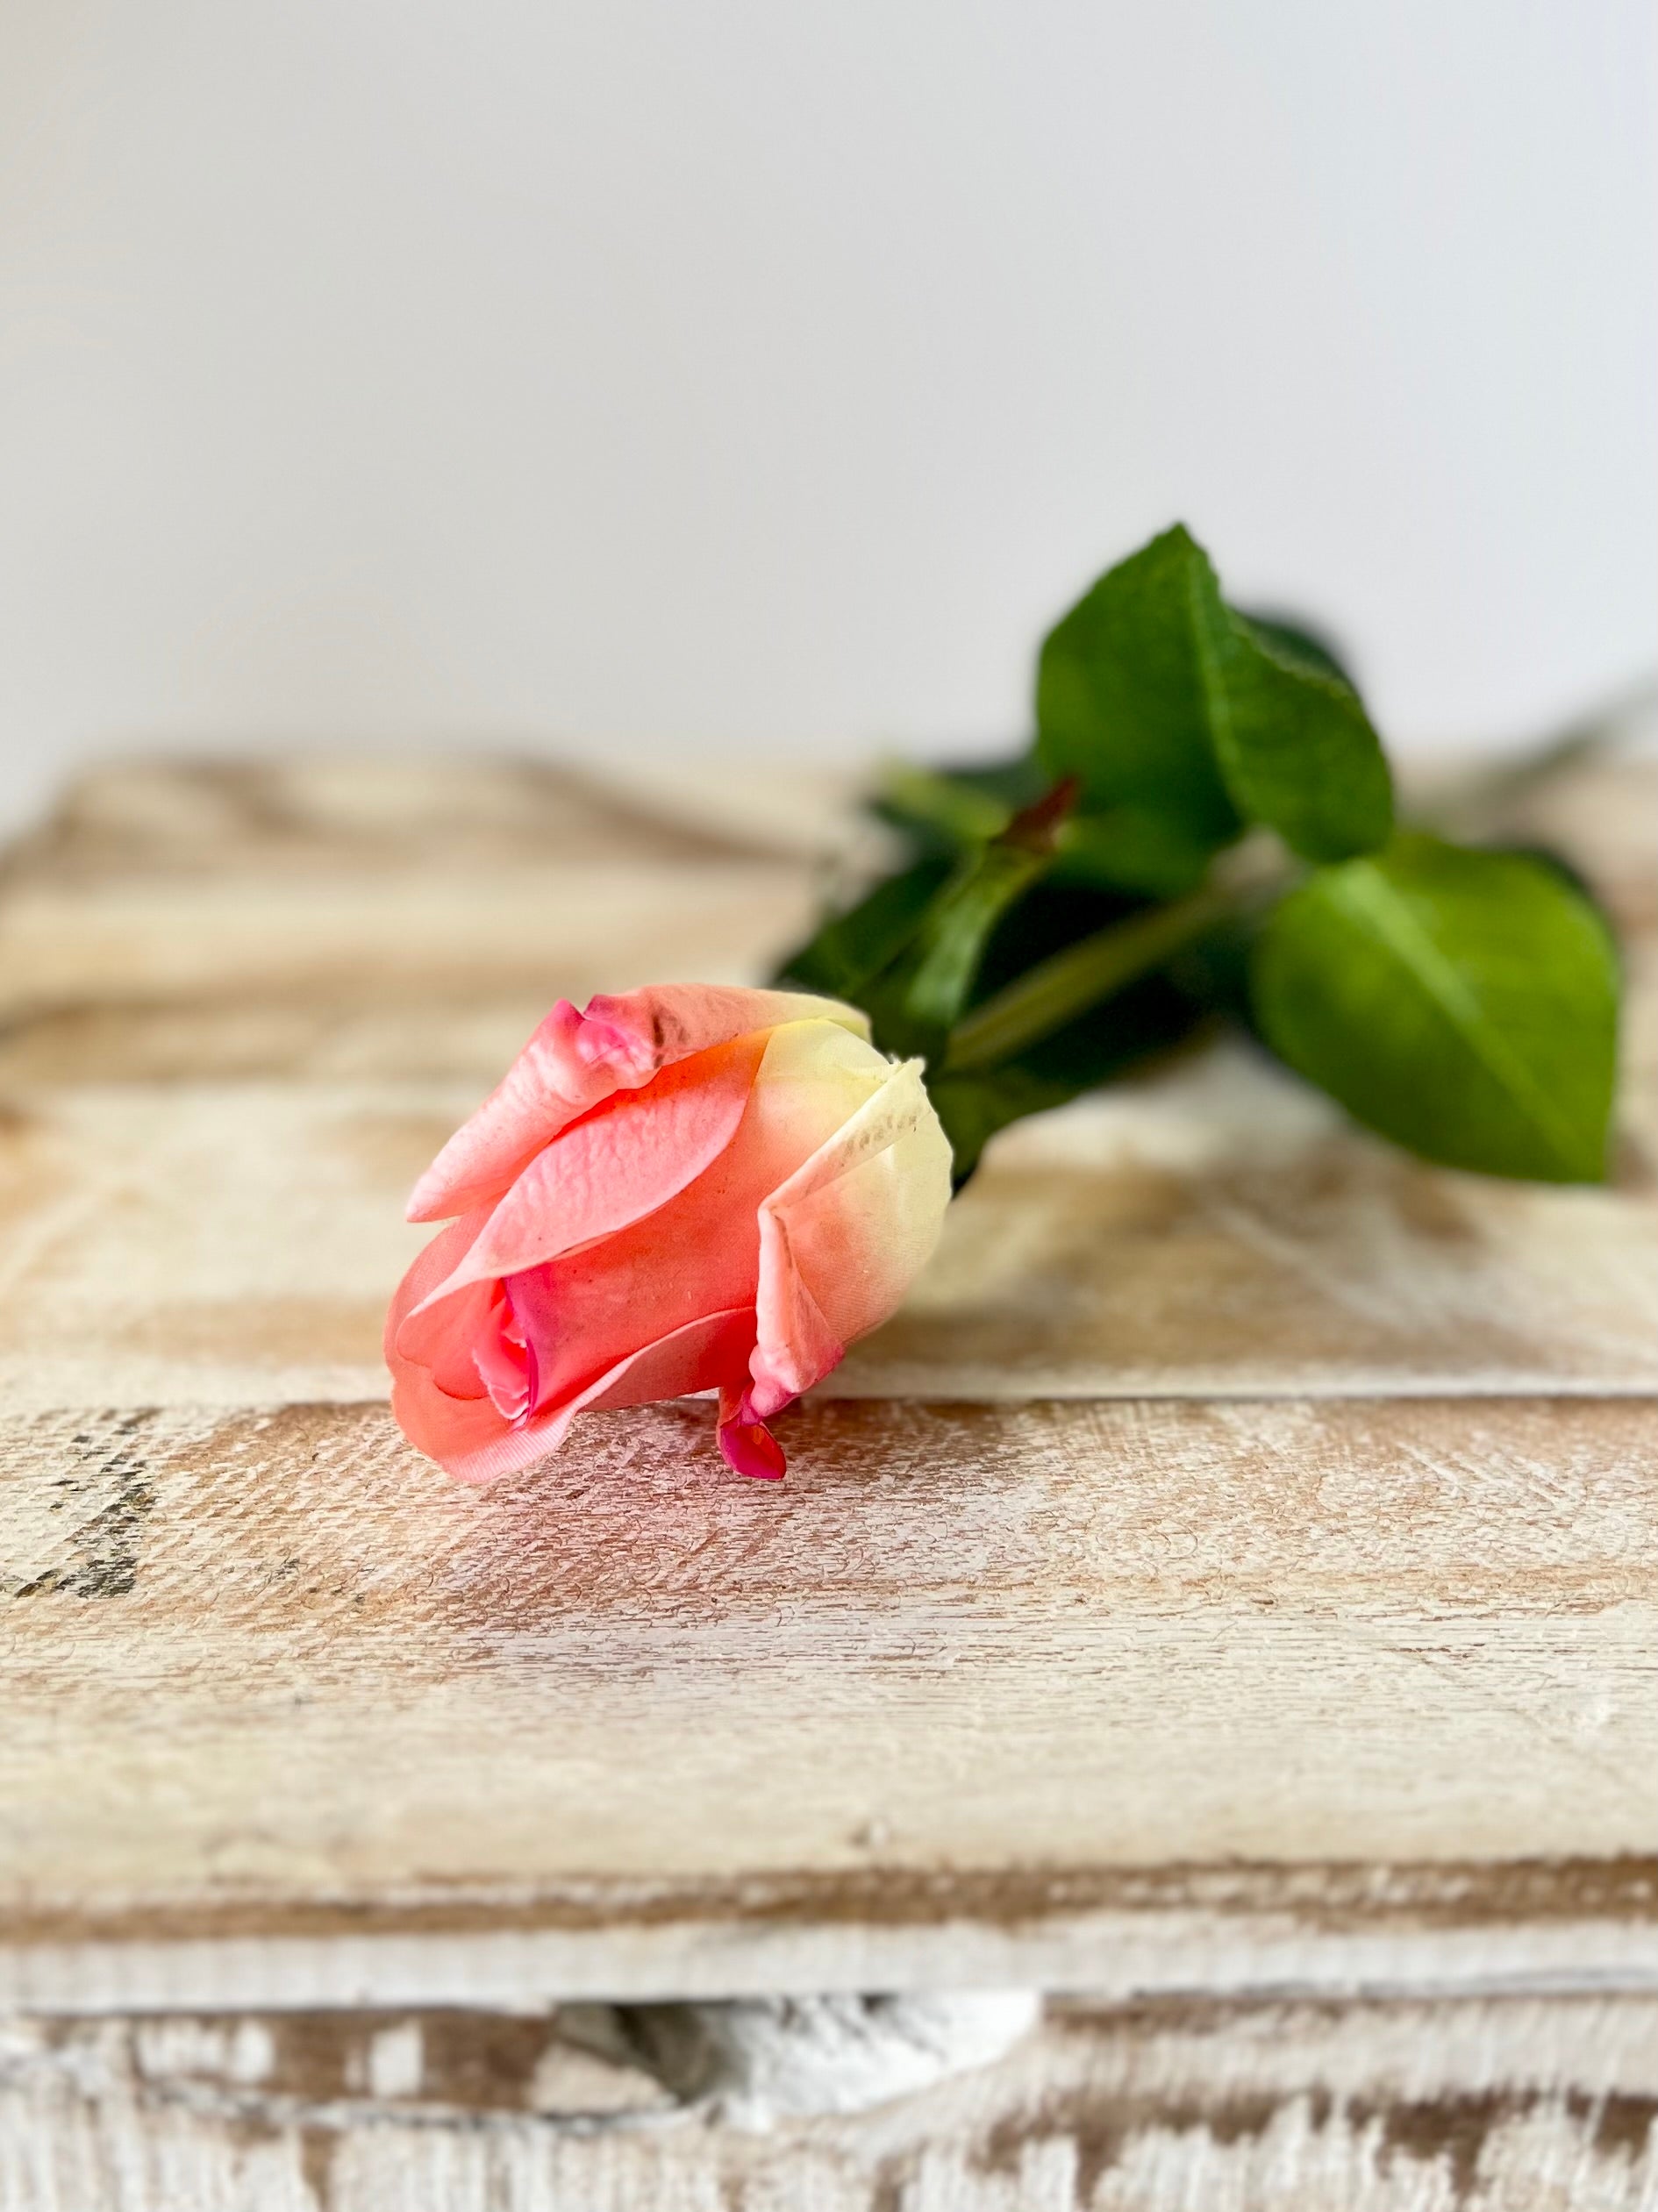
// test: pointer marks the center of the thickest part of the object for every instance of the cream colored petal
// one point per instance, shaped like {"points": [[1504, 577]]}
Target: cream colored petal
{"points": [[815, 1075], [843, 1238]]}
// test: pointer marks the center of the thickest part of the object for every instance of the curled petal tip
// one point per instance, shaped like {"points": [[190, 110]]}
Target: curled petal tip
{"points": [[599, 1043], [746, 1445]]}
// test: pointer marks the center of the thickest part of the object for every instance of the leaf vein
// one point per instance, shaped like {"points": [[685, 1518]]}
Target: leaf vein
{"points": [[1371, 900]]}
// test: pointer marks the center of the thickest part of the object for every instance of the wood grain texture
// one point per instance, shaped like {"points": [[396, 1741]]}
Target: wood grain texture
{"points": [[271, 1674], [1494, 2105], [383, 919]]}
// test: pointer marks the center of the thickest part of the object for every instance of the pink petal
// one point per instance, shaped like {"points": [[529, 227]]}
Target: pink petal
{"points": [[624, 1161], [698, 1253], [843, 1238], [474, 1445], [802, 1231], [440, 1340], [745, 1444], [705, 1355], [575, 1060], [465, 1436], [503, 1363]]}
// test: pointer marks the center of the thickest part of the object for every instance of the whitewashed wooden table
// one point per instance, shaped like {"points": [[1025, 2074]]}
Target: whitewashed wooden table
{"points": [[1225, 1600]]}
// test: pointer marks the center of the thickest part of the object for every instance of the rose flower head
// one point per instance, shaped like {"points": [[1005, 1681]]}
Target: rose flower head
{"points": [[686, 1188]]}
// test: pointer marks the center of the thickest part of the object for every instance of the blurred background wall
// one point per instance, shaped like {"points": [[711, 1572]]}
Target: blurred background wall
{"points": [[623, 376]]}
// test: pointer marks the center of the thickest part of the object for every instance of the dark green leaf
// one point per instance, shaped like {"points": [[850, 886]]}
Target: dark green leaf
{"points": [[1149, 1018], [1163, 702], [1053, 914], [852, 947], [1070, 983], [1215, 970], [1464, 1003], [914, 1002]]}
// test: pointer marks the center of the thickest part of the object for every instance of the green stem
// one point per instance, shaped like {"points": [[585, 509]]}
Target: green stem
{"points": [[1058, 989]]}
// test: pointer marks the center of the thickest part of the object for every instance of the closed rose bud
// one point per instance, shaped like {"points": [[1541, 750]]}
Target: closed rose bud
{"points": [[687, 1189]]}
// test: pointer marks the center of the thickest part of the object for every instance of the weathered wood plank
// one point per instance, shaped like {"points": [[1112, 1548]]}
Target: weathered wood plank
{"points": [[271, 1674], [1489, 2105], [1213, 1231], [247, 1005], [385, 919]]}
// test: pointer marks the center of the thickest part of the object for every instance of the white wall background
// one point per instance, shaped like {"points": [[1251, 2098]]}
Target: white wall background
{"points": [[614, 373]]}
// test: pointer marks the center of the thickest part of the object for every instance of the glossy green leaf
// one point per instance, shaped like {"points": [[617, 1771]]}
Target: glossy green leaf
{"points": [[1162, 701], [1462, 1003], [1294, 744], [1121, 702], [910, 952], [1070, 983]]}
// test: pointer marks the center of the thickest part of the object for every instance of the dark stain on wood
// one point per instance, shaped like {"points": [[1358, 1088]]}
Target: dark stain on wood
{"points": [[470, 2061], [1452, 2127], [1099, 2126], [1455, 2127], [317, 2147], [318, 2058], [481, 2061], [1323, 1896], [473, 2061], [476, 2066], [103, 1548], [1623, 2123]]}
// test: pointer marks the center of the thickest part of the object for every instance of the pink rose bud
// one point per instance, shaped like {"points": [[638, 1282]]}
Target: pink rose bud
{"points": [[687, 1189]]}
